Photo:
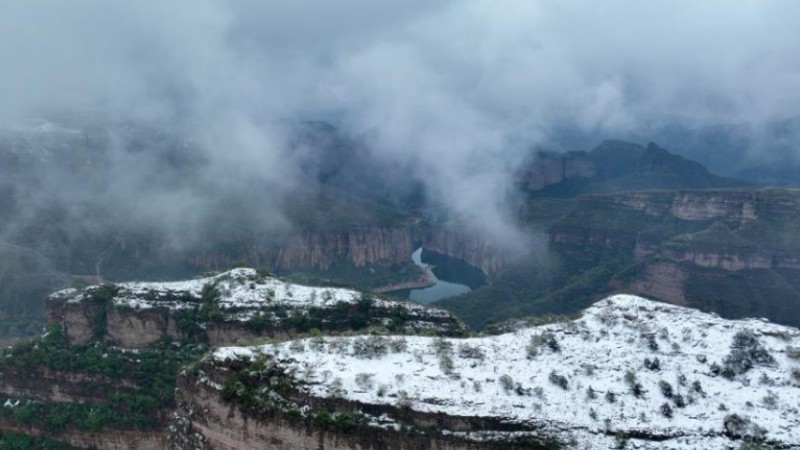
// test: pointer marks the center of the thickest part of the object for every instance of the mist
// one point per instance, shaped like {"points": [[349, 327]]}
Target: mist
{"points": [[452, 95]]}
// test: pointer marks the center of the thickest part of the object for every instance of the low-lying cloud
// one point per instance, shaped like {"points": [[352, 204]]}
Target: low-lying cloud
{"points": [[459, 90]]}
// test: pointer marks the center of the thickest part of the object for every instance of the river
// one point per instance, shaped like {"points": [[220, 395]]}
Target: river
{"points": [[452, 277]]}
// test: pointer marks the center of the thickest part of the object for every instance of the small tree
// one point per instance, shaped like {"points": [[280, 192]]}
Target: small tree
{"points": [[506, 382], [666, 388], [590, 393], [559, 380], [747, 352], [666, 410]]}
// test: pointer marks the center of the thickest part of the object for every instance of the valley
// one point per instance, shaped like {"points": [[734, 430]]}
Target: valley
{"points": [[320, 344]]}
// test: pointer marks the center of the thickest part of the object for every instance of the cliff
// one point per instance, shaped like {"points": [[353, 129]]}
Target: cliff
{"points": [[682, 246], [208, 419], [663, 374], [236, 305], [615, 166], [103, 374]]}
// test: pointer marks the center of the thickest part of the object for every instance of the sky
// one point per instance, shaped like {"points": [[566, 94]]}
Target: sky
{"points": [[458, 90]]}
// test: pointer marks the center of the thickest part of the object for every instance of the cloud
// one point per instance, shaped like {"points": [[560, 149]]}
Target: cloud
{"points": [[457, 92]]}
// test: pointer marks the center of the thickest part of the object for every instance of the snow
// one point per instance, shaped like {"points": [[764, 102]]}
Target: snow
{"points": [[596, 350], [243, 293]]}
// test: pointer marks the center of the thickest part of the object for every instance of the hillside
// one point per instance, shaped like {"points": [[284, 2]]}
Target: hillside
{"points": [[103, 374], [628, 370], [730, 251]]}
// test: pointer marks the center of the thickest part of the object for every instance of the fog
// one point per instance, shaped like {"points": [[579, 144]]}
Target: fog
{"points": [[454, 94]]}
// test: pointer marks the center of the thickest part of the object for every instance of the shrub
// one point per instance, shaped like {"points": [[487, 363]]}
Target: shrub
{"points": [[335, 389], [770, 400], [371, 347], [611, 397], [559, 380], [546, 339], [471, 352], [666, 410], [442, 346], [506, 382], [652, 343], [654, 365], [403, 400], [538, 392], [747, 352], [398, 345], [446, 364], [590, 393], [666, 388], [738, 427], [364, 381]]}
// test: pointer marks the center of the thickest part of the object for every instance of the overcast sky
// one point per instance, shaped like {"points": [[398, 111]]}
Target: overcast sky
{"points": [[461, 89]]}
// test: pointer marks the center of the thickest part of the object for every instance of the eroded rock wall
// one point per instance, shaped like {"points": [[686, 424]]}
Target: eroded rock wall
{"points": [[206, 421]]}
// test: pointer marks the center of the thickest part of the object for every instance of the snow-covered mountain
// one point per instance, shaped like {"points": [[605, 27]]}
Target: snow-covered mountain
{"points": [[628, 372]]}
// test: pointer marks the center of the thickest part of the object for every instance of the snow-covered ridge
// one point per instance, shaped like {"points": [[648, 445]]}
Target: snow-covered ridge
{"points": [[242, 291], [628, 367]]}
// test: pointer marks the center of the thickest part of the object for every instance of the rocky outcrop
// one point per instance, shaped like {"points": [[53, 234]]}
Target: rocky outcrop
{"points": [[721, 259], [322, 250], [469, 248], [746, 229], [615, 166], [551, 168], [692, 246], [662, 280], [233, 306], [49, 385], [206, 420], [358, 247], [103, 439], [80, 317], [129, 328]]}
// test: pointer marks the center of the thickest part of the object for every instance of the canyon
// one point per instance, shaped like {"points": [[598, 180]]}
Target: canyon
{"points": [[682, 245]]}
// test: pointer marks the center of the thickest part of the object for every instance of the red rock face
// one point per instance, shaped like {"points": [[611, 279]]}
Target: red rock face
{"points": [[664, 281], [359, 247]]}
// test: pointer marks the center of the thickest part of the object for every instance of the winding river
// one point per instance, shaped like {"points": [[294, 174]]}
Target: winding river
{"points": [[452, 277]]}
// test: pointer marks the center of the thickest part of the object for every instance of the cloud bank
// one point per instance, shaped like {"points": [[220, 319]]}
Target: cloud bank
{"points": [[456, 92]]}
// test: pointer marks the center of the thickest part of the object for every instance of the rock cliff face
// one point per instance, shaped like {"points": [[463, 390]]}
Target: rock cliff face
{"points": [[615, 166], [49, 385], [745, 237], [206, 420], [726, 229], [237, 305], [320, 250], [551, 168], [103, 439], [359, 247], [469, 248]]}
